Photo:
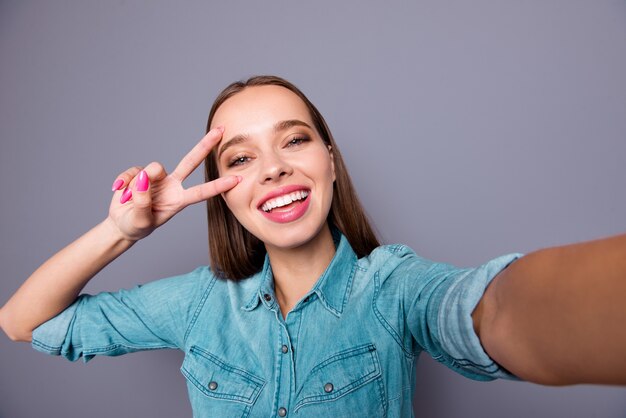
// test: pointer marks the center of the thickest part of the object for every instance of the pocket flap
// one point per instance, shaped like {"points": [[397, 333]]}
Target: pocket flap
{"points": [[218, 379], [340, 374]]}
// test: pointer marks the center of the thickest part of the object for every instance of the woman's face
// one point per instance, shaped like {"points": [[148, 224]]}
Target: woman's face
{"points": [[287, 170]]}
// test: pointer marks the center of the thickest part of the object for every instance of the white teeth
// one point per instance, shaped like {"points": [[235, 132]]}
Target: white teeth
{"points": [[284, 200]]}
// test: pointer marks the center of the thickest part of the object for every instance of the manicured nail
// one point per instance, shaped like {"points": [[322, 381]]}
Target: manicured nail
{"points": [[117, 184], [142, 181], [126, 195]]}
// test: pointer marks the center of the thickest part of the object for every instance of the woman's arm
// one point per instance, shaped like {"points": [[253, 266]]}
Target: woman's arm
{"points": [[57, 283], [558, 316], [156, 197]]}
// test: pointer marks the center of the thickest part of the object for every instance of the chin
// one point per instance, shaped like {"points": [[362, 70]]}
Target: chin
{"points": [[290, 237]]}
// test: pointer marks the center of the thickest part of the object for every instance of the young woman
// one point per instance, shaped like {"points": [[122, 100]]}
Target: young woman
{"points": [[302, 312]]}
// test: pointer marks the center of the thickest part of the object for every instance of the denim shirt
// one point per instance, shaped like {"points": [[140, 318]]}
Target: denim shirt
{"points": [[348, 347]]}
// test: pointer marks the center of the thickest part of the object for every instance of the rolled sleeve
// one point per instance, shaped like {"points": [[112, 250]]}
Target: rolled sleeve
{"points": [[147, 317], [50, 336], [440, 304], [455, 326]]}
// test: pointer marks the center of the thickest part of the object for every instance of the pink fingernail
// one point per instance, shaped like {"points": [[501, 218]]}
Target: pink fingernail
{"points": [[142, 181], [117, 184], [126, 195]]}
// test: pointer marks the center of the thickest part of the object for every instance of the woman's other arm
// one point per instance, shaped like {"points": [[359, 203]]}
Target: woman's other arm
{"points": [[57, 282], [558, 316], [156, 197]]}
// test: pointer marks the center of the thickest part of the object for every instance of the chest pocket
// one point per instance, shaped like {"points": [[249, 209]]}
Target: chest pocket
{"points": [[345, 384], [217, 388]]}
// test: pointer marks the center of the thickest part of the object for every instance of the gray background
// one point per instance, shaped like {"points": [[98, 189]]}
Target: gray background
{"points": [[471, 129]]}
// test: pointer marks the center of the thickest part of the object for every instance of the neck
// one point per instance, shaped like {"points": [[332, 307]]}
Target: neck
{"points": [[296, 270]]}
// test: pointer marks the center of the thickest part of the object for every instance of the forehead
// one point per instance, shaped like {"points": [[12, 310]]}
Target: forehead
{"points": [[260, 107]]}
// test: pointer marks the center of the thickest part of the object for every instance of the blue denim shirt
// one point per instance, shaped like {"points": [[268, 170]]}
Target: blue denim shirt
{"points": [[348, 347]]}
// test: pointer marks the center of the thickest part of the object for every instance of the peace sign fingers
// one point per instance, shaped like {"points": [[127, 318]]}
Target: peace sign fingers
{"points": [[198, 153], [206, 191]]}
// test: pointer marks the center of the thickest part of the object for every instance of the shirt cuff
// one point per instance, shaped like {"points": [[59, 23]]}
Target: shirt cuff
{"points": [[50, 336], [459, 340]]}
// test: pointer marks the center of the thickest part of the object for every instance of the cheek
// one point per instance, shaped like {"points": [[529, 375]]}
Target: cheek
{"points": [[328, 170], [236, 199]]}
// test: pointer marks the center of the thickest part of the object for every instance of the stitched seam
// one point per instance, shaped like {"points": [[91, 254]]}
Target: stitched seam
{"points": [[373, 375], [381, 387], [113, 347], [56, 348], [226, 366], [339, 356], [383, 321], [340, 393], [224, 396], [344, 354], [491, 368], [194, 318], [348, 287], [327, 305], [381, 390]]}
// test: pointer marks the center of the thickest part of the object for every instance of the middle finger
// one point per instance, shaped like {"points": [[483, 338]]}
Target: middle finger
{"points": [[198, 153]]}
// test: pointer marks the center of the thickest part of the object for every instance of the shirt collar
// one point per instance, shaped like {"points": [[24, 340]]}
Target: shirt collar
{"points": [[332, 288]]}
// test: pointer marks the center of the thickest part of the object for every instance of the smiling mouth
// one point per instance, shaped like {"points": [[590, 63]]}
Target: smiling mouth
{"points": [[284, 201]]}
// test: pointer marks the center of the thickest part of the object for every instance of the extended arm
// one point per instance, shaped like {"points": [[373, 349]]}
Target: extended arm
{"points": [[156, 197], [558, 316]]}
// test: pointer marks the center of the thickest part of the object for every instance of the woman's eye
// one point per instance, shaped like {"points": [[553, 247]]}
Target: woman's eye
{"points": [[297, 141], [237, 161]]}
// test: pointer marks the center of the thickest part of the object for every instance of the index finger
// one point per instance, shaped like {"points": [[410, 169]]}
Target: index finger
{"points": [[198, 153], [206, 191]]}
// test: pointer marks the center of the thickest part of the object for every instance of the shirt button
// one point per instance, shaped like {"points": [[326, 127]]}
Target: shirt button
{"points": [[212, 385], [267, 297], [328, 387], [282, 412], [284, 349]]}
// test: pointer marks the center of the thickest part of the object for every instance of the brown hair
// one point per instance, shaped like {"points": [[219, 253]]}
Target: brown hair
{"points": [[234, 252]]}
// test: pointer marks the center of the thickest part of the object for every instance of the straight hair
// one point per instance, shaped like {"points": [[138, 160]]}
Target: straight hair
{"points": [[235, 253]]}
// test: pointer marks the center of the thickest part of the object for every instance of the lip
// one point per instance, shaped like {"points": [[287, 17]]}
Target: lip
{"points": [[297, 211], [281, 191]]}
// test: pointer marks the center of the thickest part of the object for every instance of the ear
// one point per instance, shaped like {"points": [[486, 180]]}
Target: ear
{"points": [[332, 161]]}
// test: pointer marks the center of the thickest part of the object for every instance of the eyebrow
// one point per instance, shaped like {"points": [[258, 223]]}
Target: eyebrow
{"points": [[278, 127], [286, 124]]}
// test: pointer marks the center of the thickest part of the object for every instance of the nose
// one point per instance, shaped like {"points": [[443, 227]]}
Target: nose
{"points": [[274, 168]]}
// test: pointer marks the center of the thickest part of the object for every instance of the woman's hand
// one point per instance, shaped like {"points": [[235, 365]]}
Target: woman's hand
{"points": [[556, 316], [146, 198], [151, 198]]}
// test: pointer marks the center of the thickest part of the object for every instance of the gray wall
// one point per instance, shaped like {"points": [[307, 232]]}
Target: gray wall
{"points": [[471, 129]]}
